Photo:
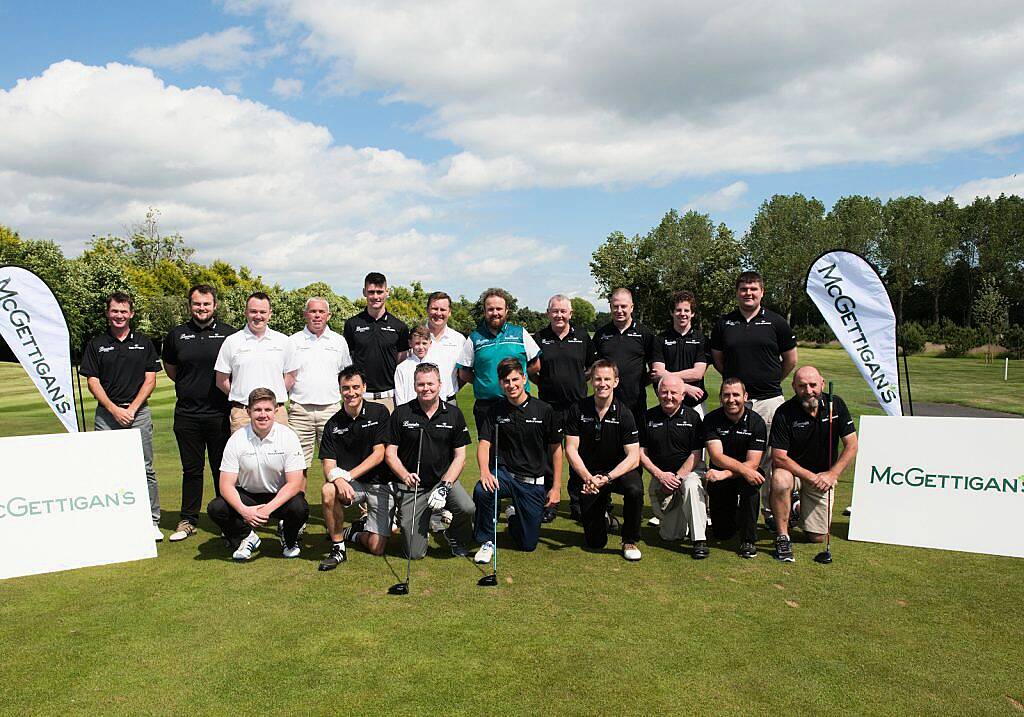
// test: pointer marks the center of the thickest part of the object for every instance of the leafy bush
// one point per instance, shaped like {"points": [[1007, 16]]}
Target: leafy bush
{"points": [[912, 337], [1013, 339], [960, 340], [812, 334]]}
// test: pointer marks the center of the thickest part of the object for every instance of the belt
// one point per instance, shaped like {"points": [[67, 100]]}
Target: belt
{"points": [[236, 404], [379, 394], [529, 480]]}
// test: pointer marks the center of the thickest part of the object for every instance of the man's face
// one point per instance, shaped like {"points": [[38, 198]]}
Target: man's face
{"points": [[202, 306], [420, 346], [119, 314], [257, 314], [807, 384], [438, 313], [513, 385], [261, 413], [604, 382], [559, 314], [494, 312], [352, 390], [733, 398], [621, 307], [682, 316], [670, 394], [376, 296], [749, 295], [427, 385], [316, 314]]}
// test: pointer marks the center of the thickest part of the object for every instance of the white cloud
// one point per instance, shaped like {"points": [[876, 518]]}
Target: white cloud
{"points": [[584, 92], [720, 200], [229, 49], [287, 89], [967, 192]]}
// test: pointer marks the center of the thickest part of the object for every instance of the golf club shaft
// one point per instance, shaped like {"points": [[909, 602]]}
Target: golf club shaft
{"points": [[415, 499], [497, 489], [828, 530]]}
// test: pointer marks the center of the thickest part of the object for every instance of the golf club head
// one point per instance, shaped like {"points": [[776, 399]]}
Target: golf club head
{"points": [[399, 589], [488, 581], [824, 557]]}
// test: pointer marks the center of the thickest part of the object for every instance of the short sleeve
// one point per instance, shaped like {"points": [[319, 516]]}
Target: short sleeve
{"points": [[346, 331], [460, 432], [170, 353], [380, 435], [465, 358], [571, 427], [650, 342], [846, 425], [486, 430], [530, 346], [658, 352], [784, 336], [403, 338], [291, 357], [553, 427], [152, 357], [780, 437], [717, 343], [344, 356], [223, 364], [630, 432], [90, 365], [229, 461], [591, 351], [294, 460], [328, 449], [705, 351], [758, 435], [391, 433], [403, 389]]}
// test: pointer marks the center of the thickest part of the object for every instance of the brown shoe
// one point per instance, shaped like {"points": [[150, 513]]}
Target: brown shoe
{"points": [[184, 530]]}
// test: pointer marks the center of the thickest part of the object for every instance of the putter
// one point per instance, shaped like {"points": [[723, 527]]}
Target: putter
{"points": [[825, 556], [402, 588], [490, 581]]}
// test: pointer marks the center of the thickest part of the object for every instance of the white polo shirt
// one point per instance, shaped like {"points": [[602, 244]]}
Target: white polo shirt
{"points": [[320, 359], [261, 463], [256, 362], [405, 383], [444, 352]]}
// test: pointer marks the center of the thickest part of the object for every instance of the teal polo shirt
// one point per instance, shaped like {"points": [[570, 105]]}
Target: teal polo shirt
{"points": [[484, 350]]}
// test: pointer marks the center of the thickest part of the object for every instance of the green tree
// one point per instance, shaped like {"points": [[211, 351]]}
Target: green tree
{"points": [[630, 262], [910, 233], [991, 314], [583, 312], [855, 223], [478, 307]]}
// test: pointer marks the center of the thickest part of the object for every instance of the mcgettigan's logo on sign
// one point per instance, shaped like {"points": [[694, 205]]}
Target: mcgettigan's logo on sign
{"points": [[21, 507], [915, 477]]}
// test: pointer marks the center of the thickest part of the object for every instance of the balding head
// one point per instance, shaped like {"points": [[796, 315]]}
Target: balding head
{"points": [[805, 374], [807, 384], [670, 393]]}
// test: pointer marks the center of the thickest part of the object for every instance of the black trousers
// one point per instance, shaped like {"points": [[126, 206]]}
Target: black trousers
{"points": [[734, 505], [199, 436], [294, 513], [593, 506]]}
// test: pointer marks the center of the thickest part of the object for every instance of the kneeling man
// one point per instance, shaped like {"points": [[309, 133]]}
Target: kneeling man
{"points": [[804, 439], [520, 434], [671, 444], [352, 451], [261, 480]]}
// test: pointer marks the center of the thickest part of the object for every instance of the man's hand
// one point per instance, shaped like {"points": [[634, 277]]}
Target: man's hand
{"points": [[752, 475], [123, 416], [346, 493], [694, 392], [657, 374], [825, 481], [594, 484], [251, 515], [411, 480], [554, 496], [489, 482], [438, 498], [714, 475], [669, 481]]}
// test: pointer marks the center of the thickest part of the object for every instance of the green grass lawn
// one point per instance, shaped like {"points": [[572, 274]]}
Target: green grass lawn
{"points": [[883, 630]]}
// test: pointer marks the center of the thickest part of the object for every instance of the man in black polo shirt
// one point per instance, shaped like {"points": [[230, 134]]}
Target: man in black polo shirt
{"points": [[562, 378], [801, 449], [736, 439], [445, 437], [201, 410], [682, 351], [630, 346], [670, 449], [757, 346], [378, 341], [121, 366], [522, 436], [602, 443], [352, 451]]}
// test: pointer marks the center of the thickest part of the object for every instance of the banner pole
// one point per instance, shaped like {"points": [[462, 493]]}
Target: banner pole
{"points": [[906, 373], [81, 398]]}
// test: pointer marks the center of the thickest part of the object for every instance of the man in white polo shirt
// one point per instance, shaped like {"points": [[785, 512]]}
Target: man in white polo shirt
{"points": [[320, 354], [255, 357], [261, 481], [445, 343]]}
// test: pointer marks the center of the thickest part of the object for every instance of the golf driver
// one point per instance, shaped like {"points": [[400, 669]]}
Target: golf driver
{"points": [[403, 587], [825, 556], [490, 581]]}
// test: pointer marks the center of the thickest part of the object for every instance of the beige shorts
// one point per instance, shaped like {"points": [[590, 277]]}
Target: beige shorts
{"points": [[815, 510], [308, 420], [388, 403]]}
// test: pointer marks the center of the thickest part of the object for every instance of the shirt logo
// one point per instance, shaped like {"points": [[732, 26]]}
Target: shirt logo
{"points": [[186, 337], [339, 431], [136, 347], [410, 424], [732, 322], [801, 424], [388, 328], [444, 425], [670, 343], [506, 419], [575, 341], [361, 329], [105, 349], [370, 423], [534, 420]]}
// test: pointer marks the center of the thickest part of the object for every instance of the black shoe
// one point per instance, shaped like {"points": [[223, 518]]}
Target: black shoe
{"points": [[700, 549], [336, 557], [548, 515], [784, 549], [747, 550], [458, 549], [357, 526], [769, 523], [575, 513]]}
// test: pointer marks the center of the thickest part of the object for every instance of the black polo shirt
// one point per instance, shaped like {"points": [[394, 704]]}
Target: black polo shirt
{"points": [[525, 435], [350, 441], [563, 366], [602, 440], [443, 432], [121, 366], [193, 350], [747, 434], [805, 437], [669, 440], [375, 345], [753, 350], [680, 352], [632, 351]]}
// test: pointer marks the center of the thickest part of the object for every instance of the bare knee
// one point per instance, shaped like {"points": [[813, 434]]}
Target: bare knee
{"points": [[328, 493], [782, 480]]}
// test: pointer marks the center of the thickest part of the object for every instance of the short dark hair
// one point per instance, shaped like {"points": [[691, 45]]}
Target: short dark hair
{"points": [[732, 381], [749, 277], [679, 297], [508, 365], [259, 296], [495, 291], [427, 367], [603, 363], [419, 332], [121, 298], [437, 296], [351, 372], [375, 278], [261, 394], [203, 289]]}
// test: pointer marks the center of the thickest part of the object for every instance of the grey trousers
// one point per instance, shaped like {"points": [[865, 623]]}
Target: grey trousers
{"points": [[104, 421], [415, 528]]}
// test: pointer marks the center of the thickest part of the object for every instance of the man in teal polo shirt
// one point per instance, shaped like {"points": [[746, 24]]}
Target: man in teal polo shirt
{"points": [[491, 341]]}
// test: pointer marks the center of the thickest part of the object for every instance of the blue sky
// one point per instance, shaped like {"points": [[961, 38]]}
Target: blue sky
{"points": [[471, 144]]}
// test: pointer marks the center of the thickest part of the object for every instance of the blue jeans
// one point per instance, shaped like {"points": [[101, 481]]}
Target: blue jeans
{"points": [[529, 501]]}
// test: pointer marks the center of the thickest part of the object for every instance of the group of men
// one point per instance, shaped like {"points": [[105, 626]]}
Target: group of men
{"points": [[379, 401]]}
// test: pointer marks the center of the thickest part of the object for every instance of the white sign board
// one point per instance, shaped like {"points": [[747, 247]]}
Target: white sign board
{"points": [[72, 500], [950, 483]]}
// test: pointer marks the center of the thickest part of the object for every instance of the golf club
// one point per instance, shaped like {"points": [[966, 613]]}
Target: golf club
{"points": [[490, 581], [403, 587], [825, 556]]}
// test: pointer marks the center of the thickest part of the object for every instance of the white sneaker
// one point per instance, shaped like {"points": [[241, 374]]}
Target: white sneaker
{"points": [[291, 551], [440, 521], [250, 544], [631, 552], [510, 511], [484, 554], [157, 535]]}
